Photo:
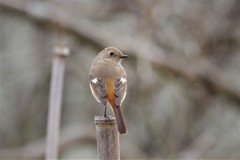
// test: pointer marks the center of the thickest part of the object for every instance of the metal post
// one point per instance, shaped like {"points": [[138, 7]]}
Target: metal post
{"points": [[55, 102]]}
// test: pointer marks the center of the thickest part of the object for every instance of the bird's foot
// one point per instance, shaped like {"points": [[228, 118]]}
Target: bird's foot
{"points": [[105, 111]]}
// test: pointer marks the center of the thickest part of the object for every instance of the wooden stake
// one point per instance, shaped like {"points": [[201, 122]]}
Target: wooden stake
{"points": [[55, 102], [108, 147]]}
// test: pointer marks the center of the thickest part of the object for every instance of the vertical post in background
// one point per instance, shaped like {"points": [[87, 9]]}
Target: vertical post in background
{"points": [[55, 101], [107, 138]]}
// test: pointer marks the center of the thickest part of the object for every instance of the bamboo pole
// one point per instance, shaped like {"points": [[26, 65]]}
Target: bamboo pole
{"points": [[108, 147], [55, 102]]}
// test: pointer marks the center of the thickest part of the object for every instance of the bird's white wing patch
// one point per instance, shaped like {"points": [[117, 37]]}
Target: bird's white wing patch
{"points": [[123, 80], [94, 80]]}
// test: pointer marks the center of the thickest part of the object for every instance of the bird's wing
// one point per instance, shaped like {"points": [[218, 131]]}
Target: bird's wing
{"points": [[120, 90], [98, 89]]}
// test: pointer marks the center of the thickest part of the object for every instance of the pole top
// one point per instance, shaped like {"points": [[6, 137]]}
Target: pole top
{"points": [[105, 121], [61, 51]]}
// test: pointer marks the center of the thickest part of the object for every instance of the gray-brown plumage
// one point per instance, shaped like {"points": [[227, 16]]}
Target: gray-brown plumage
{"points": [[108, 82]]}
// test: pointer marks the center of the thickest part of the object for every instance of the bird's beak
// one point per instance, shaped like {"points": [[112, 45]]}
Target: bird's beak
{"points": [[124, 56]]}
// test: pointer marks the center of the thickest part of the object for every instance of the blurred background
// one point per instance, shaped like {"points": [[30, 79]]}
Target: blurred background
{"points": [[183, 70]]}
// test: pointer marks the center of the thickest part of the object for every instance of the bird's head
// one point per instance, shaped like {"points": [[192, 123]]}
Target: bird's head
{"points": [[112, 54]]}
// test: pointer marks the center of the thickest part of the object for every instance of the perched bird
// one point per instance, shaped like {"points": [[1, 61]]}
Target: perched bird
{"points": [[108, 83]]}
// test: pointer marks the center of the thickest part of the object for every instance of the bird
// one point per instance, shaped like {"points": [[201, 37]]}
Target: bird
{"points": [[108, 83]]}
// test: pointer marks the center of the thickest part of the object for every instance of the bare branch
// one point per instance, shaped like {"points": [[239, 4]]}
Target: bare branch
{"points": [[201, 71]]}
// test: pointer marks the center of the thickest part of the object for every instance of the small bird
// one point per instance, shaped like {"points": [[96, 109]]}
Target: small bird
{"points": [[108, 83]]}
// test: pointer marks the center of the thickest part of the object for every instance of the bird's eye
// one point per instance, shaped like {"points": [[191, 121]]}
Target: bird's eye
{"points": [[111, 53]]}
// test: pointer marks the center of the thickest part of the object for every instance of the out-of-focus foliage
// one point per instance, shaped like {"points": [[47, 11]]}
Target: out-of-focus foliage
{"points": [[169, 114]]}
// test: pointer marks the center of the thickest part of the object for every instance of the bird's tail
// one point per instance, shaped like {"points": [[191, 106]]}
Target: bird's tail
{"points": [[122, 129]]}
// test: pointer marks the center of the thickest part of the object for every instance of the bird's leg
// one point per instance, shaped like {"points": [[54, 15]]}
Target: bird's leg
{"points": [[105, 111]]}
